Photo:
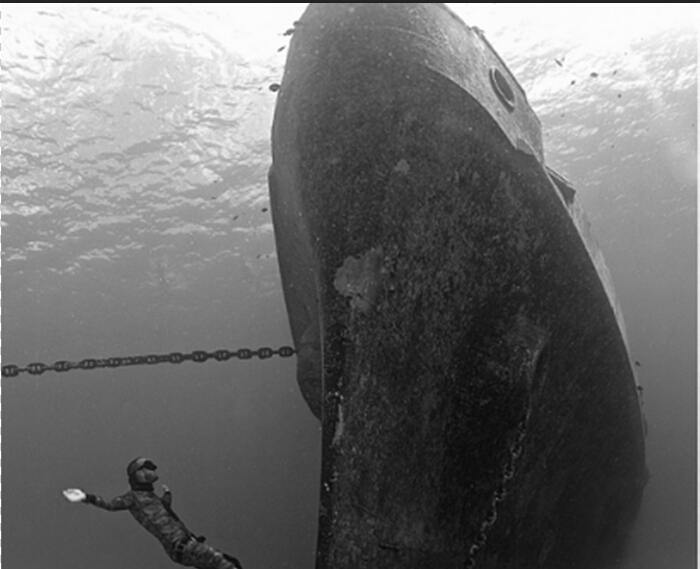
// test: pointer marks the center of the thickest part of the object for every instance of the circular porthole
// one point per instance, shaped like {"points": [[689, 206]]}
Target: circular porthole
{"points": [[502, 89]]}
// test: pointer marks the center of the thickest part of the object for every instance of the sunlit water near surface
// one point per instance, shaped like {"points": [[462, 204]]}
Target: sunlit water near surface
{"points": [[135, 220]]}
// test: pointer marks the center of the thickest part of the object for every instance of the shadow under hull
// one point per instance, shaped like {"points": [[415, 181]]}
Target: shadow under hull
{"points": [[456, 327]]}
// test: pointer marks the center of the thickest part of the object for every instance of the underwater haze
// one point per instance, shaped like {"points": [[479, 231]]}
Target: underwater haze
{"points": [[135, 221]]}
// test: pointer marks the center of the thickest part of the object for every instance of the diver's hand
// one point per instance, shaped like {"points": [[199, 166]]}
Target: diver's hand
{"points": [[166, 490], [74, 495]]}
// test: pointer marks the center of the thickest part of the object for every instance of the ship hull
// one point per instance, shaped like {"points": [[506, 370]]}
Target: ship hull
{"points": [[456, 327]]}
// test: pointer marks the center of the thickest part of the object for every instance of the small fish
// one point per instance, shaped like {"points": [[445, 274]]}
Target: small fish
{"points": [[275, 87], [594, 74], [559, 63], [293, 29], [234, 218], [637, 363], [281, 48], [573, 82], [110, 57], [388, 547], [264, 209]]}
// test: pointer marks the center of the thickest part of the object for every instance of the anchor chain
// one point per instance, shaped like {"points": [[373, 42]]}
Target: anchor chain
{"points": [[198, 356], [515, 449]]}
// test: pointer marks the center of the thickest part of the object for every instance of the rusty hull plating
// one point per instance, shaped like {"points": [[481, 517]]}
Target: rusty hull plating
{"points": [[457, 329]]}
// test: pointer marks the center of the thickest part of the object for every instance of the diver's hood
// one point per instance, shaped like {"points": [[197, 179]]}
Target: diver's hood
{"points": [[133, 467], [137, 464]]}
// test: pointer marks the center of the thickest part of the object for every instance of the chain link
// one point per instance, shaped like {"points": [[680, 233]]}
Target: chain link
{"points": [[198, 356]]}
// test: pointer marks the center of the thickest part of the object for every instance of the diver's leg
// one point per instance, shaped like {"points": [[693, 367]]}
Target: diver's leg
{"points": [[203, 556], [233, 560]]}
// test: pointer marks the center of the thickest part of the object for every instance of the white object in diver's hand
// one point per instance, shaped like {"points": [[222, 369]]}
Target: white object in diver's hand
{"points": [[74, 495]]}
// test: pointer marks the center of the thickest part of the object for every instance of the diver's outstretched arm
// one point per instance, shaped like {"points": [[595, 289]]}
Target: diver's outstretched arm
{"points": [[119, 503]]}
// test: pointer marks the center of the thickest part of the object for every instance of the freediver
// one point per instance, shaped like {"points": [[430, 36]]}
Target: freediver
{"points": [[155, 514]]}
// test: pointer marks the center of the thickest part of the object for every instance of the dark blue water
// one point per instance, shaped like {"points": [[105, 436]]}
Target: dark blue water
{"points": [[135, 220]]}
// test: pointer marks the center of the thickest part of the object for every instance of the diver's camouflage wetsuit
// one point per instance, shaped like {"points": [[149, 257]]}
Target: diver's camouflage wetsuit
{"points": [[155, 514]]}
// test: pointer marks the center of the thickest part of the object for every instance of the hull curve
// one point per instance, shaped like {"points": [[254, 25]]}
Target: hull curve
{"points": [[456, 327]]}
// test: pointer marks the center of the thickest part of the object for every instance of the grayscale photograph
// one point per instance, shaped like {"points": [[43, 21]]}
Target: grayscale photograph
{"points": [[349, 286]]}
